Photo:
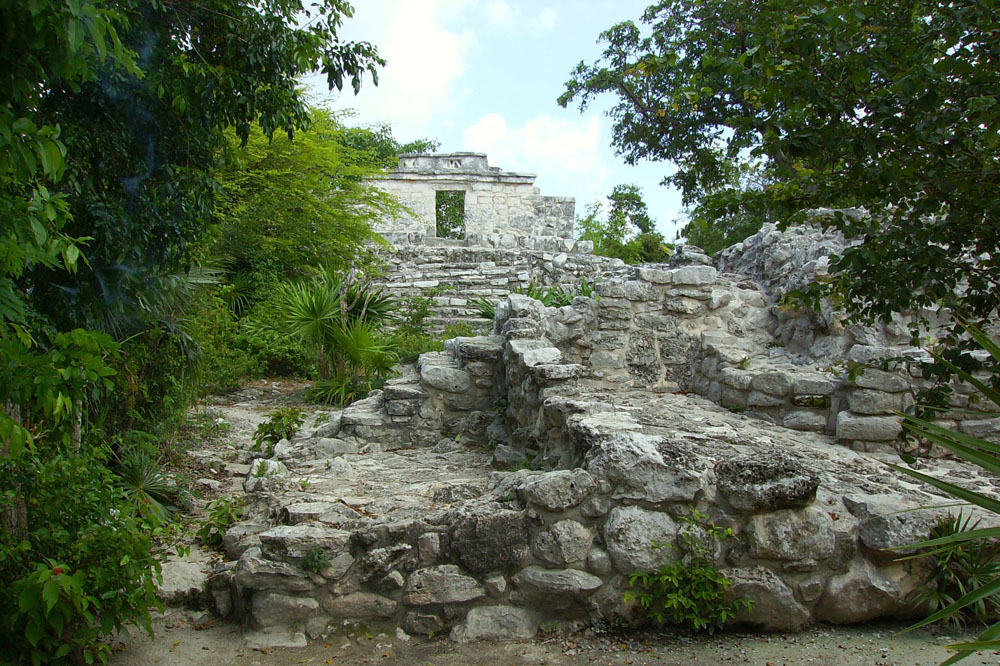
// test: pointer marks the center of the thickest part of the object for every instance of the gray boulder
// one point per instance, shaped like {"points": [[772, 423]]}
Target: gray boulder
{"points": [[495, 623]]}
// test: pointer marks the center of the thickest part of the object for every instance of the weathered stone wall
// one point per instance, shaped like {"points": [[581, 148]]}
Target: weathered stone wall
{"points": [[496, 202], [681, 388], [455, 276]]}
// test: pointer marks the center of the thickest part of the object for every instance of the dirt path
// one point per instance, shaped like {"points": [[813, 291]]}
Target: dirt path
{"points": [[186, 638], [178, 643]]}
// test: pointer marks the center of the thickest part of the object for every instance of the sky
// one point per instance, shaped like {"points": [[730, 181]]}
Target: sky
{"points": [[484, 75]]}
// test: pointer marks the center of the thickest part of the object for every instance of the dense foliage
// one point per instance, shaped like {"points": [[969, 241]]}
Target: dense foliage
{"points": [[627, 232], [768, 108], [113, 118], [965, 554]]}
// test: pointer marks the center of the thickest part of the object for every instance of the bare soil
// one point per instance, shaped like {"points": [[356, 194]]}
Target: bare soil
{"points": [[179, 643]]}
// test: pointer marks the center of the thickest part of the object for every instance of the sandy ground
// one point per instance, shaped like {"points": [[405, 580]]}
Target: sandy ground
{"points": [[179, 643]]}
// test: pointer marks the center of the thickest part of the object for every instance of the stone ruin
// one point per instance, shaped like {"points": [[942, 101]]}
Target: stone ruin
{"points": [[513, 237], [522, 476], [498, 206]]}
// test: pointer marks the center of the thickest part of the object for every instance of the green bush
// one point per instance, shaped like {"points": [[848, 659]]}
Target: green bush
{"points": [[281, 424], [222, 513], [223, 364], [688, 589], [409, 346], [979, 597], [84, 568], [959, 569]]}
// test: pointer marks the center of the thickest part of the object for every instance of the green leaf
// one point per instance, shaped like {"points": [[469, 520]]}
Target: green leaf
{"points": [[50, 594]]}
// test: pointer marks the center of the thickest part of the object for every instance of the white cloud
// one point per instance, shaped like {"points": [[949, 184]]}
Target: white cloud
{"points": [[425, 62], [544, 20], [565, 153], [499, 13]]}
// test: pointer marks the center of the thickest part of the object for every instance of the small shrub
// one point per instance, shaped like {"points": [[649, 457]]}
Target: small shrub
{"points": [[315, 560], [222, 513], [409, 346], [688, 590], [281, 424], [959, 568]]}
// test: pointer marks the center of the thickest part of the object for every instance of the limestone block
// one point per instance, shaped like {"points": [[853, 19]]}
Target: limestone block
{"points": [[731, 398], [695, 275], [496, 585], [640, 291], [554, 588], [867, 428], [604, 359], [642, 348], [329, 428], [791, 534], [810, 385], [774, 604], [444, 584], [629, 534], [333, 446], [595, 506], [645, 468], [882, 535], [567, 542], [868, 401], [736, 378], [254, 572], [491, 540], [495, 623], [260, 470], [655, 275], [544, 355], [806, 420], [559, 490], [428, 546], [418, 622], [304, 512], [881, 380], [359, 606], [759, 399], [772, 383], [765, 483], [988, 429], [444, 378], [295, 541], [860, 595]]}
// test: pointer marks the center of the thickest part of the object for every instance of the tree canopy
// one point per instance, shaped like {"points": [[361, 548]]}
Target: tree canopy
{"points": [[627, 231], [771, 107], [113, 118]]}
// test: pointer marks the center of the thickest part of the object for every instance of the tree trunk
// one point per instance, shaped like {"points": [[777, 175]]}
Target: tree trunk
{"points": [[77, 425], [14, 518]]}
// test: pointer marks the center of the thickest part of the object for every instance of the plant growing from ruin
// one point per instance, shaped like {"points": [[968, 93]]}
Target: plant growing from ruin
{"points": [[688, 589], [315, 560], [485, 308], [986, 455], [222, 513], [280, 424]]}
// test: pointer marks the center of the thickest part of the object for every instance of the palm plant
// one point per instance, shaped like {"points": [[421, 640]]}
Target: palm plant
{"points": [[343, 320], [986, 455]]}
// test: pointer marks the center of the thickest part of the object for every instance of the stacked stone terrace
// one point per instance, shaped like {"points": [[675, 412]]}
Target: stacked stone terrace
{"points": [[681, 388]]}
